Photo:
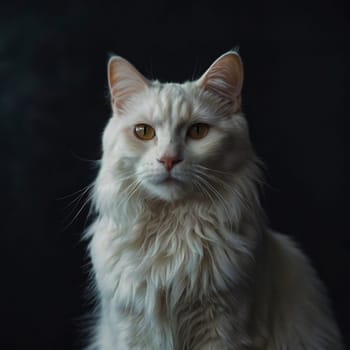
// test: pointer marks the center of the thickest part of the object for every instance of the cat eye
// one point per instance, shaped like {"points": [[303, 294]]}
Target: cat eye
{"points": [[144, 132], [198, 131]]}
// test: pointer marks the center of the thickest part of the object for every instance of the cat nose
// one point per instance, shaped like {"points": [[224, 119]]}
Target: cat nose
{"points": [[169, 162]]}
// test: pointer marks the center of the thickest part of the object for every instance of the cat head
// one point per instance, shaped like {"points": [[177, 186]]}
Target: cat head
{"points": [[169, 141]]}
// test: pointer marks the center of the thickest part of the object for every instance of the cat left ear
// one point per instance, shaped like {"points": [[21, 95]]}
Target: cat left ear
{"points": [[124, 81], [225, 79]]}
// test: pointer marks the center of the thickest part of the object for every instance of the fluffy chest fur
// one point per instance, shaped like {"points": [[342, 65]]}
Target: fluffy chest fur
{"points": [[171, 268], [185, 253]]}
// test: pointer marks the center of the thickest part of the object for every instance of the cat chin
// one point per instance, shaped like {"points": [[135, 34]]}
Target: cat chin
{"points": [[169, 191]]}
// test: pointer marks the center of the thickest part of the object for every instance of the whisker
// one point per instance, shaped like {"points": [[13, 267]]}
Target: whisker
{"points": [[217, 194], [231, 188], [128, 192], [84, 190], [213, 170], [79, 212]]}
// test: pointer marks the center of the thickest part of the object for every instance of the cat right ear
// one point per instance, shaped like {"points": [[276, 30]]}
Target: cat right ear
{"points": [[224, 78], [124, 81]]}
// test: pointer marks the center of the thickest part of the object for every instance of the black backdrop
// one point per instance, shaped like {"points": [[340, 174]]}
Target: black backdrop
{"points": [[53, 107]]}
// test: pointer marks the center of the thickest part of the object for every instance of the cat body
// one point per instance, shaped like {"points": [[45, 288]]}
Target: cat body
{"points": [[181, 254]]}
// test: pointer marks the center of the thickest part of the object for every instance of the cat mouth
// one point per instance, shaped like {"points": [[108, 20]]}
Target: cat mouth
{"points": [[169, 180]]}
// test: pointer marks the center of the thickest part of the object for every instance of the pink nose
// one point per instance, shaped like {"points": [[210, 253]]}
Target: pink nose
{"points": [[169, 162]]}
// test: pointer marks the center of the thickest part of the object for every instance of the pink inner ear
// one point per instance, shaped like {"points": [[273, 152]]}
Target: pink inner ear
{"points": [[124, 81], [225, 77]]}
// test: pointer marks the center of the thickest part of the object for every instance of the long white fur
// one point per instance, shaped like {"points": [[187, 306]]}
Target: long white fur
{"points": [[193, 266]]}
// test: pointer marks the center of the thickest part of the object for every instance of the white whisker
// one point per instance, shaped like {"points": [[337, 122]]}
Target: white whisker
{"points": [[217, 194]]}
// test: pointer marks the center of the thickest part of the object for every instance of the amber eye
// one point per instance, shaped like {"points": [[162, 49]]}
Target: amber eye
{"points": [[144, 132], [198, 131]]}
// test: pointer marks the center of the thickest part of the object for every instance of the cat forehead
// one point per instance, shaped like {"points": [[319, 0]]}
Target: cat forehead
{"points": [[166, 103]]}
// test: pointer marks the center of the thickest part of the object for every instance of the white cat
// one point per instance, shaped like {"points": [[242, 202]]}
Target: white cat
{"points": [[181, 254]]}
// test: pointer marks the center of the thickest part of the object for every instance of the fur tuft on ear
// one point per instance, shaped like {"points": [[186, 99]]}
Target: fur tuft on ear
{"points": [[225, 78], [124, 81]]}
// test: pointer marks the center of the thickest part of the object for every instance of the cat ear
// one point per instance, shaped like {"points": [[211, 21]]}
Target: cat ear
{"points": [[124, 81], [225, 78]]}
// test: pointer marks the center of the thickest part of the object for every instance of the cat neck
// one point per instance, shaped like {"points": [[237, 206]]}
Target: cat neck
{"points": [[227, 214]]}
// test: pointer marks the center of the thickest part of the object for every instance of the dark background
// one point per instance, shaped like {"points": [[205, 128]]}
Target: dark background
{"points": [[54, 105]]}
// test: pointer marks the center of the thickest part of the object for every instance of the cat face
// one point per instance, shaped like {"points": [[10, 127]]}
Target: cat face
{"points": [[171, 141]]}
